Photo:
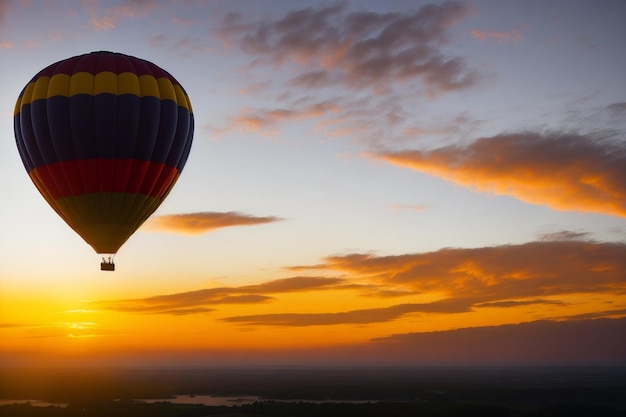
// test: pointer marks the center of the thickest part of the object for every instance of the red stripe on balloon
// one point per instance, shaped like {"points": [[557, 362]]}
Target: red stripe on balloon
{"points": [[77, 177]]}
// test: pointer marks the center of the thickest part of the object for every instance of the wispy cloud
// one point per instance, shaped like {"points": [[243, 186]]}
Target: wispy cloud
{"points": [[108, 19], [564, 171], [265, 120], [371, 67], [500, 273], [205, 300], [617, 109], [418, 208], [193, 302], [564, 235], [517, 303], [5, 8], [365, 316], [361, 49], [598, 314], [201, 222], [538, 273], [509, 276], [512, 35]]}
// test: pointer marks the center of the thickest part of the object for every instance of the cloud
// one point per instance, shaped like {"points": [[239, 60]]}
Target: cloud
{"points": [[251, 119], [196, 223], [398, 56], [617, 109], [498, 36], [365, 316], [564, 171], [513, 303], [296, 284], [578, 341], [564, 235], [500, 273], [508, 276], [359, 49], [185, 22], [418, 208], [598, 314], [128, 9], [5, 9], [204, 300], [193, 302], [456, 280]]}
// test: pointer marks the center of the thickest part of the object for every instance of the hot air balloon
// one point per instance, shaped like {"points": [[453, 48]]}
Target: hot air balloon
{"points": [[104, 137]]}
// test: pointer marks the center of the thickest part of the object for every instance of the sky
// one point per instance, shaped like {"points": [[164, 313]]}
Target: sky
{"points": [[370, 182]]}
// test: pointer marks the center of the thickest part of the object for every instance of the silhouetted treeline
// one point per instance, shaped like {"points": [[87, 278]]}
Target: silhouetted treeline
{"points": [[305, 409]]}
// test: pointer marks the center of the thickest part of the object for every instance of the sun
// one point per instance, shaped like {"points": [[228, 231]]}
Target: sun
{"points": [[80, 329]]}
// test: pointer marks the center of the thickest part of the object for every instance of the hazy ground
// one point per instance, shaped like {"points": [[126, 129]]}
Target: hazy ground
{"points": [[530, 391]]}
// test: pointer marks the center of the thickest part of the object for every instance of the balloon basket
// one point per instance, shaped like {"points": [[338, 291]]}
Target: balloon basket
{"points": [[107, 265]]}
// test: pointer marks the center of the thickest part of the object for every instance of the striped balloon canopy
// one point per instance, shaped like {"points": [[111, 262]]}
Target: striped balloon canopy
{"points": [[104, 137]]}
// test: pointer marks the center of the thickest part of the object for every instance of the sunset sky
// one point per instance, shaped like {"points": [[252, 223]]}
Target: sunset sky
{"points": [[368, 179]]}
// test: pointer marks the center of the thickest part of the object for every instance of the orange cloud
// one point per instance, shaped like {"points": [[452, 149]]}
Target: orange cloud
{"points": [[454, 280], [102, 23], [108, 19], [561, 171], [361, 49], [619, 313], [499, 36], [499, 273], [511, 303], [203, 301], [266, 119], [365, 316], [195, 223]]}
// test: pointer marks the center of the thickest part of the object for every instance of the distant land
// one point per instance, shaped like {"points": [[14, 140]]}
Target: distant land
{"points": [[328, 392]]}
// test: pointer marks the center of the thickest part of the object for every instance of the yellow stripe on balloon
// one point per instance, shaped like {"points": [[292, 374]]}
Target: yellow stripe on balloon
{"points": [[59, 85], [166, 89], [148, 86], [82, 83], [128, 83], [105, 82], [41, 88]]}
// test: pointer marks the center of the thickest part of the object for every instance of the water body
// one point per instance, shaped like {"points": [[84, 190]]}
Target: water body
{"points": [[208, 400], [34, 403], [241, 400], [176, 399], [205, 400]]}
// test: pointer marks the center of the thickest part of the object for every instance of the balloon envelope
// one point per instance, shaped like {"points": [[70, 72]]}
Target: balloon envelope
{"points": [[104, 136]]}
